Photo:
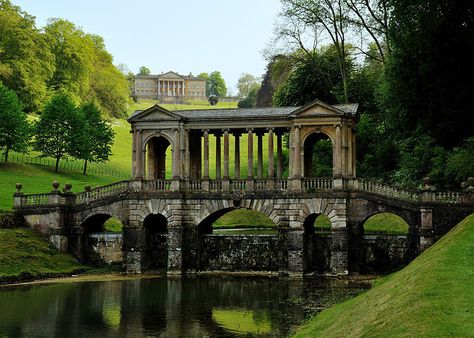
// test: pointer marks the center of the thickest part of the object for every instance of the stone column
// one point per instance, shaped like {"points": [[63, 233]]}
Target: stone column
{"points": [[349, 151], [226, 154], [218, 156], [337, 154], [354, 159], [237, 156], [134, 153], [279, 156], [139, 154], [206, 154], [187, 155], [159, 87], [151, 160], [176, 151], [271, 165], [297, 153], [250, 154], [260, 155]]}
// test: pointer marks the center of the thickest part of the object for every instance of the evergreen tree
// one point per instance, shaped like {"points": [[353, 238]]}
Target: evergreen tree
{"points": [[14, 128]]}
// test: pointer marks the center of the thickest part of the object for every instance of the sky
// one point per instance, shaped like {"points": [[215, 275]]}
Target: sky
{"points": [[180, 35]]}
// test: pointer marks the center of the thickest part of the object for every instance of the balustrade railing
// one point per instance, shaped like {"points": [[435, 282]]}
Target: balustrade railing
{"points": [[449, 197], [156, 185], [35, 199], [387, 190], [317, 183], [260, 185], [195, 185], [102, 192], [281, 184], [215, 185], [237, 185]]}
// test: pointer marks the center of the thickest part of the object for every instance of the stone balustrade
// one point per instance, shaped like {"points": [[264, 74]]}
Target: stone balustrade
{"points": [[305, 185]]}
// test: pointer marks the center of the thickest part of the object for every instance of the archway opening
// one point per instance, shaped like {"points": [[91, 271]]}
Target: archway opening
{"points": [[317, 242], [385, 243], [318, 156], [158, 159], [238, 240], [155, 242], [102, 241]]}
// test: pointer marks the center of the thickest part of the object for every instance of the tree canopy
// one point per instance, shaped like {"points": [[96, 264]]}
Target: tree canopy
{"points": [[246, 83], [215, 84], [144, 71], [14, 128]]}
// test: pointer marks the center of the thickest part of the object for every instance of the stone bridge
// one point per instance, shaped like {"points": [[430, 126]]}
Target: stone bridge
{"points": [[173, 197]]}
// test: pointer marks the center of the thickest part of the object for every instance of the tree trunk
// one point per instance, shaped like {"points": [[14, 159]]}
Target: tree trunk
{"points": [[85, 168], [6, 154], [57, 164]]}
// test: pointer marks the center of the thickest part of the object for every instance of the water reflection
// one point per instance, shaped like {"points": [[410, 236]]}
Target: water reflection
{"points": [[188, 307]]}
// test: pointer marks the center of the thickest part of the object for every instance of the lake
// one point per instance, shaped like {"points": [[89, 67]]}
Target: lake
{"points": [[201, 306]]}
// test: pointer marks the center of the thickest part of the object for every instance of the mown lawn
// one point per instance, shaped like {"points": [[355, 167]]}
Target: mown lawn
{"points": [[23, 254], [432, 297]]}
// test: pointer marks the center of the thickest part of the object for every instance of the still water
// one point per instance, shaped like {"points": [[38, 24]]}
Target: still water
{"points": [[165, 307]]}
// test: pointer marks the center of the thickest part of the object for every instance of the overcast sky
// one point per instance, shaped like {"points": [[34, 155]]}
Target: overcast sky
{"points": [[180, 35]]}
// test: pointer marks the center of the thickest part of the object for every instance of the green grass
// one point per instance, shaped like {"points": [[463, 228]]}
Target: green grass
{"points": [[431, 297], [113, 225], [243, 218], [23, 254], [386, 223], [38, 179]]}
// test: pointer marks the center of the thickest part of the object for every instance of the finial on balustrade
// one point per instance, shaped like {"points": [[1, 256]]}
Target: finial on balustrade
{"points": [[55, 185], [18, 187], [67, 188], [427, 184], [470, 185]]}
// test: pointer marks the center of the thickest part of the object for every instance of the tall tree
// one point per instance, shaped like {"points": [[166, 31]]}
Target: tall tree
{"points": [[217, 84], [59, 129], [97, 137], [246, 83], [14, 128], [144, 71], [429, 74], [26, 63], [328, 16]]}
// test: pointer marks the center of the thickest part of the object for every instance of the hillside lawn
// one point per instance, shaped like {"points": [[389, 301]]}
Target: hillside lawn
{"points": [[25, 255], [432, 297]]}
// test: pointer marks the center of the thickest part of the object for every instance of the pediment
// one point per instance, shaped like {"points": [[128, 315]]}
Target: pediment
{"points": [[154, 113], [171, 75], [317, 108]]}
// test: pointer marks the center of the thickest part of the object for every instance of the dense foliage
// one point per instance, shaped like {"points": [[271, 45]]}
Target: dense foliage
{"points": [[36, 63], [14, 128], [215, 84], [413, 86]]}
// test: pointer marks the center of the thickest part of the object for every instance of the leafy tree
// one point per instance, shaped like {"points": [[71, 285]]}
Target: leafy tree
{"points": [[428, 78], [246, 83], [217, 84], [26, 63], [96, 139], [213, 99], [14, 128], [59, 130], [314, 75], [144, 71], [205, 77], [249, 101], [278, 70]]}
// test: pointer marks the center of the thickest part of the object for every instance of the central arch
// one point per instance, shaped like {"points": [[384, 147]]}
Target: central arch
{"points": [[318, 151], [157, 148]]}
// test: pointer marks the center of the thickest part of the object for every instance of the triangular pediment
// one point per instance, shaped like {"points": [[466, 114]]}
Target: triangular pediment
{"points": [[171, 75], [317, 108], [154, 113]]}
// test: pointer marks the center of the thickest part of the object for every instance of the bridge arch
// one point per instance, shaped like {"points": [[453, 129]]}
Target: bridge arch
{"points": [[155, 229]]}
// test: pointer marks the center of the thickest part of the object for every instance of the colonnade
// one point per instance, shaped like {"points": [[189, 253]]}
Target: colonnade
{"points": [[171, 88], [222, 165]]}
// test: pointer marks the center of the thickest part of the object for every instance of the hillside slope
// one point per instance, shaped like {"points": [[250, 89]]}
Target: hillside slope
{"points": [[433, 296]]}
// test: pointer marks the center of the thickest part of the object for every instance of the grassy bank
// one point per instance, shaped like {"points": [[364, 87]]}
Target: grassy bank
{"points": [[433, 296], [24, 255]]}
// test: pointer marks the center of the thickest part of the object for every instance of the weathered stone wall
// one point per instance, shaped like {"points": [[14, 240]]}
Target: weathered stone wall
{"points": [[239, 253], [384, 253], [105, 248]]}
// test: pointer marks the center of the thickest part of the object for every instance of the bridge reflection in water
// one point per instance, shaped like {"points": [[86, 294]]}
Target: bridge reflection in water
{"points": [[197, 307]]}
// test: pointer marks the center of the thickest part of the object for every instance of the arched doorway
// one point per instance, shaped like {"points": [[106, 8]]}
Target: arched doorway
{"points": [[318, 156], [384, 243], [317, 243], [238, 240], [158, 166], [156, 252], [102, 241]]}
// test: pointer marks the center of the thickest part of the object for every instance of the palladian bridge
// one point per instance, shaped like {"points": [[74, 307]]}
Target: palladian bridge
{"points": [[183, 181]]}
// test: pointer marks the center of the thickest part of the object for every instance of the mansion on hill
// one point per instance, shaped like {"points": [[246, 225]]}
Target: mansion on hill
{"points": [[169, 86]]}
